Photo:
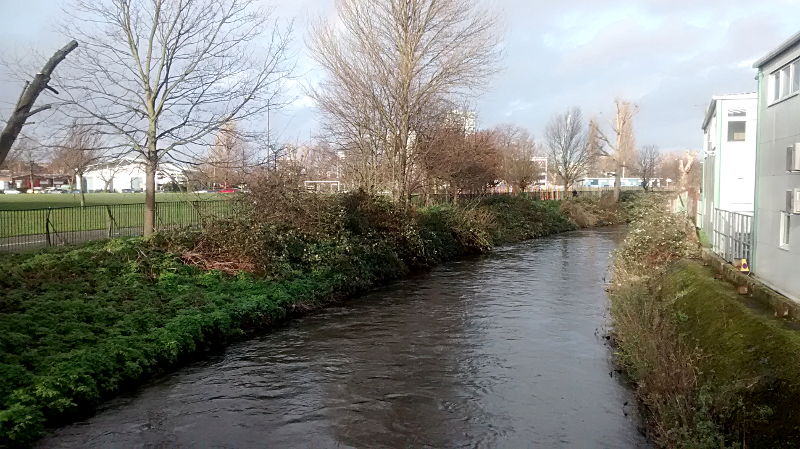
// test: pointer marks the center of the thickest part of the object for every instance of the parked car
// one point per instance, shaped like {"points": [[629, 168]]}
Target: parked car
{"points": [[127, 190], [11, 192], [228, 190]]}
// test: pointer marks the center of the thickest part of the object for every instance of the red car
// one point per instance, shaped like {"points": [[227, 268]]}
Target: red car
{"points": [[228, 190]]}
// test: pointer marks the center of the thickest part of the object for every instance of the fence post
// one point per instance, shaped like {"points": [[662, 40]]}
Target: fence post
{"points": [[110, 222], [47, 227]]}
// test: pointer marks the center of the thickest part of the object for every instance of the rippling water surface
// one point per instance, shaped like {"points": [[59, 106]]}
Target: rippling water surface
{"points": [[500, 351]]}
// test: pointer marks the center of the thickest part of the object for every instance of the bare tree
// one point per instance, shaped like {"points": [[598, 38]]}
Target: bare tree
{"points": [[79, 150], [26, 158], [161, 76], [685, 164], [24, 107], [518, 151], [320, 163], [568, 152], [390, 64], [619, 148], [461, 162], [648, 160], [229, 157]]}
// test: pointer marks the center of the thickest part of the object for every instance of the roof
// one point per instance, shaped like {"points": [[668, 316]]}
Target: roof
{"points": [[782, 48], [713, 106]]}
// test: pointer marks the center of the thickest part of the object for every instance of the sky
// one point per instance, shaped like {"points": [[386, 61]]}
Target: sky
{"points": [[668, 56]]}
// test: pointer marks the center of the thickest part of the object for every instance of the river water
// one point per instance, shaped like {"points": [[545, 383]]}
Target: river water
{"points": [[505, 350]]}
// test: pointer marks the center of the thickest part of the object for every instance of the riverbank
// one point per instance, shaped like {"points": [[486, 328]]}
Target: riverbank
{"points": [[494, 351], [712, 368], [79, 325]]}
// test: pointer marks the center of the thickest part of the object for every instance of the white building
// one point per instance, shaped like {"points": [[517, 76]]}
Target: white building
{"points": [[128, 174], [609, 182], [777, 194], [729, 157]]}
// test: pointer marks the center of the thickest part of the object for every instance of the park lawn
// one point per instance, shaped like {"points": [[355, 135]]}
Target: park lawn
{"points": [[29, 214], [40, 201]]}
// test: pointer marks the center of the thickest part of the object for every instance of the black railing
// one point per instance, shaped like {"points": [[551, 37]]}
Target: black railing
{"points": [[22, 230]]}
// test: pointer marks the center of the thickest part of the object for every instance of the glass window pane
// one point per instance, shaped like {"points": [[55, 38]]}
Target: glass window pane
{"points": [[785, 229], [796, 74], [785, 81], [736, 131], [776, 86]]}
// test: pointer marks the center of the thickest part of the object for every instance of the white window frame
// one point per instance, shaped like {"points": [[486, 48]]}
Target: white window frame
{"points": [[785, 229], [784, 82]]}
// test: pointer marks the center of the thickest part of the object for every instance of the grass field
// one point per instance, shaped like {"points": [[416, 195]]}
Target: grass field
{"points": [[40, 201], [28, 214]]}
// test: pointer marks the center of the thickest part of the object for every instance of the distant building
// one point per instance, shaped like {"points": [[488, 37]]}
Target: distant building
{"points": [[466, 119], [777, 192], [38, 182], [729, 156], [609, 182], [6, 181], [128, 174]]}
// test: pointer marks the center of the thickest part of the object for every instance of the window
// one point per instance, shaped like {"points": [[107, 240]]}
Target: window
{"points": [[785, 230], [796, 73], [785, 81], [736, 131], [776, 86]]}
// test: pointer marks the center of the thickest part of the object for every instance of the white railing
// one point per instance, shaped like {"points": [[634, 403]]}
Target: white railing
{"points": [[732, 235]]}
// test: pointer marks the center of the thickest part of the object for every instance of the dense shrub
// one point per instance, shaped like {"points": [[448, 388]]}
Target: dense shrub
{"points": [[710, 372], [587, 212], [519, 218], [80, 324]]}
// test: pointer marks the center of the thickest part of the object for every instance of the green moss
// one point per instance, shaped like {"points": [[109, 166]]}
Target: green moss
{"points": [[748, 359]]}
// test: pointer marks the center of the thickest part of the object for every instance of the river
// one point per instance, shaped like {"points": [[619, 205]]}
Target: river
{"points": [[505, 350]]}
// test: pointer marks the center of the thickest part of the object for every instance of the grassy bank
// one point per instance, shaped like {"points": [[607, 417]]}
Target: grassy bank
{"points": [[79, 325], [710, 369]]}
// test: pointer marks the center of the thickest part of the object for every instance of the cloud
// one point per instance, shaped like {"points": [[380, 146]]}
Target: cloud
{"points": [[670, 56]]}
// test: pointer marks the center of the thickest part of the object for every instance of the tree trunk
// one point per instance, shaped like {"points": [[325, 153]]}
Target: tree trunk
{"points": [[618, 181], [150, 198], [79, 176]]}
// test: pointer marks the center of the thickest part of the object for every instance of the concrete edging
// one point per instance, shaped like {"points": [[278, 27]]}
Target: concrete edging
{"points": [[782, 306]]}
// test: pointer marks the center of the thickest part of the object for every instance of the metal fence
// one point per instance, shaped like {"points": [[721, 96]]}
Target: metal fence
{"points": [[732, 235], [22, 230], [550, 194]]}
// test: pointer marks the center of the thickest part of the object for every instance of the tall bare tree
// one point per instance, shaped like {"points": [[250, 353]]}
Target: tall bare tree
{"points": [[518, 151], [621, 146], [79, 150], [568, 152], [390, 64], [161, 76], [647, 161], [24, 108], [229, 159]]}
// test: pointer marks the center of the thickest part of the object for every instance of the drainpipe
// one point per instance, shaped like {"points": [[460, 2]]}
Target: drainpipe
{"points": [[718, 157], [754, 227]]}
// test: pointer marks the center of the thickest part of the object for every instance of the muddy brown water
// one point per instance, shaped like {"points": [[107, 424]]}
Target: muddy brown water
{"points": [[505, 350]]}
